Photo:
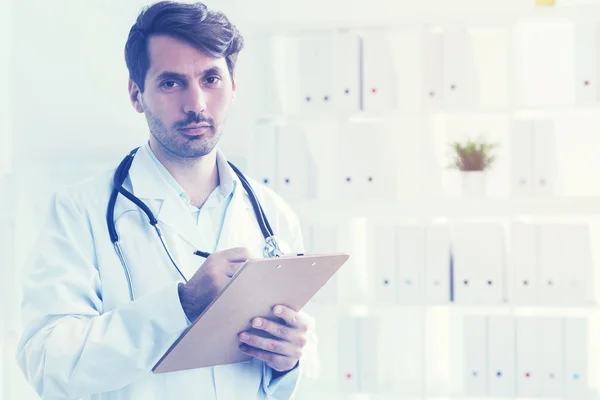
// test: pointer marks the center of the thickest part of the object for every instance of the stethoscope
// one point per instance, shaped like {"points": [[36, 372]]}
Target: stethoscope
{"points": [[271, 246]]}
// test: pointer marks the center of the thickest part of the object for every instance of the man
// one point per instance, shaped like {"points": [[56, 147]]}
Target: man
{"points": [[96, 323]]}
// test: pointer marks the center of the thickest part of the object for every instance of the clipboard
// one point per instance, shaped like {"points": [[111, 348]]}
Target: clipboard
{"points": [[259, 284]]}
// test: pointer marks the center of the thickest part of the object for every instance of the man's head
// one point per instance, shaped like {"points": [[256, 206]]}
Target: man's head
{"points": [[181, 60]]}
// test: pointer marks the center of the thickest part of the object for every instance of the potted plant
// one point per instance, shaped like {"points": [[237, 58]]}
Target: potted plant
{"points": [[473, 158]]}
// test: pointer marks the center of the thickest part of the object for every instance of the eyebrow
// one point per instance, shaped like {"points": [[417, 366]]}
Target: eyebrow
{"points": [[175, 75]]}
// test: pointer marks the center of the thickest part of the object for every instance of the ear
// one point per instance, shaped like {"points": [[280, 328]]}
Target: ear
{"points": [[135, 96], [234, 87]]}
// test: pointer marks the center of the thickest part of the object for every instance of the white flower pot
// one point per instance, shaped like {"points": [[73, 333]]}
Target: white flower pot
{"points": [[473, 183]]}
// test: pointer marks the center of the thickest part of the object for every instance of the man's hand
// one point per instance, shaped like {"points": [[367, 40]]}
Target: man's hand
{"points": [[284, 349], [209, 279]]}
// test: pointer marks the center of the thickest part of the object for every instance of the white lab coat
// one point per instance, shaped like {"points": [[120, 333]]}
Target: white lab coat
{"points": [[84, 338]]}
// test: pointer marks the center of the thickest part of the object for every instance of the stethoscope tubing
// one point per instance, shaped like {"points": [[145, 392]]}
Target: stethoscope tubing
{"points": [[119, 177]]}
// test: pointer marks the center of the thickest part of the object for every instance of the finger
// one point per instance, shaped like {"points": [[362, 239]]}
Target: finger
{"points": [[279, 330], [271, 345], [275, 361], [291, 317]]}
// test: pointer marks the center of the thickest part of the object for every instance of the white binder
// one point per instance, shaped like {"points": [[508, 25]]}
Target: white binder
{"points": [[324, 96], [458, 69], [407, 52], [308, 95], [587, 66], [346, 72], [377, 172], [383, 256], [264, 153], [475, 355], [543, 158], [577, 254], [410, 264], [404, 362], [433, 76], [348, 345], [369, 354], [295, 166], [551, 258], [437, 264], [479, 270], [501, 356], [524, 274], [379, 81], [551, 356], [269, 60], [349, 166], [576, 358], [529, 373], [522, 153]]}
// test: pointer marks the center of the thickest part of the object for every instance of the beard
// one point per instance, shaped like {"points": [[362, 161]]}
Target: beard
{"points": [[177, 142]]}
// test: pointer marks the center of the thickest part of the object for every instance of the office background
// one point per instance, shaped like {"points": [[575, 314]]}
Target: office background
{"points": [[460, 285]]}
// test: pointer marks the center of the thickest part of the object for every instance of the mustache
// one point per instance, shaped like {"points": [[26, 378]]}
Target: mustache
{"points": [[194, 119]]}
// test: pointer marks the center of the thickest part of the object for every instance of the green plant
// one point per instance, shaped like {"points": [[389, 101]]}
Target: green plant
{"points": [[474, 155]]}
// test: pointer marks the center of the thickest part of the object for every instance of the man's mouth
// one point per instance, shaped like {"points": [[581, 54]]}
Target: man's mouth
{"points": [[197, 129]]}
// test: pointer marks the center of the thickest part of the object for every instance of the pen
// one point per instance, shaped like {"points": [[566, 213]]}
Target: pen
{"points": [[202, 253]]}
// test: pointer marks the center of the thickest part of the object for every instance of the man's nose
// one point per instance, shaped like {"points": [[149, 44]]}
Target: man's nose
{"points": [[195, 100]]}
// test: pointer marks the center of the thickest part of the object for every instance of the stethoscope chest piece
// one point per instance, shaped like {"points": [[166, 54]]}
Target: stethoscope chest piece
{"points": [[271, 249]]}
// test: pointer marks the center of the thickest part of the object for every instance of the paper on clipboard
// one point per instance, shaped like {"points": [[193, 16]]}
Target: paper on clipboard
{"points": [[258, 285]]}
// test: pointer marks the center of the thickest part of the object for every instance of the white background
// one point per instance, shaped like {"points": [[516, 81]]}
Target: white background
{"points": [[65, 114]]}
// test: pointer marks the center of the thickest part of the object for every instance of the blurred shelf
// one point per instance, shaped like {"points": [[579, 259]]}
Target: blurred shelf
{"points": [[363, 15], [450, 207], [486, 309], [362, 116], [339, 395], [466, 397], [365, 116], [558, 107]]}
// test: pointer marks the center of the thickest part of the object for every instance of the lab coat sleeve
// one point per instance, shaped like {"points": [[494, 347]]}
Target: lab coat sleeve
{"points": [[70, 348], [307, 370], [301, 377]]}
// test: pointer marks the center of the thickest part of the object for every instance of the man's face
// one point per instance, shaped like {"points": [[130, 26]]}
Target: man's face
{"points": [[186, 98]]}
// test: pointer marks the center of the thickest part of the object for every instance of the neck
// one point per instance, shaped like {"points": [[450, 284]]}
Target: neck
{"points": [[197, 176]]}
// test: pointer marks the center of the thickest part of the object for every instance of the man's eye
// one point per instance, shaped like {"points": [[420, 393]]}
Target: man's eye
{"points": [[212, 80], [169, 84]]}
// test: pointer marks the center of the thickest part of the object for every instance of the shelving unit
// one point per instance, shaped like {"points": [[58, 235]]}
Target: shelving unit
{"points": [[450, 207], [411, 202]]}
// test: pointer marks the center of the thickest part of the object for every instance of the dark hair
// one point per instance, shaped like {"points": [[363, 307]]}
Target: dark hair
{"points": [[208, 31]]}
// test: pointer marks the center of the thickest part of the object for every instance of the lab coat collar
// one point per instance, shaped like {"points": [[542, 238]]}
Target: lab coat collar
{"points": [[147, 179], [147, 184]]}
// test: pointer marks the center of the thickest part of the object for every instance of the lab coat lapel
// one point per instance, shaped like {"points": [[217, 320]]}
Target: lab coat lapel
{"points": [[147, 184], [177, 216], [239, 226]]}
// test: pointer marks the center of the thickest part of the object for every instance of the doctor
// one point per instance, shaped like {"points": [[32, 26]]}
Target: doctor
{"points": [[97, 320]]}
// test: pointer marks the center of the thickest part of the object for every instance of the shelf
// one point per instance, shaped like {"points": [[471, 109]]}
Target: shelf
{"points": [[332, 394], [359, 116], [450, 207], [280, 119], [317, 16], [487, 309]]}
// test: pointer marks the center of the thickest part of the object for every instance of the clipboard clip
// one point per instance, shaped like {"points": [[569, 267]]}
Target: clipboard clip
{"points": [[271, 249]]}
